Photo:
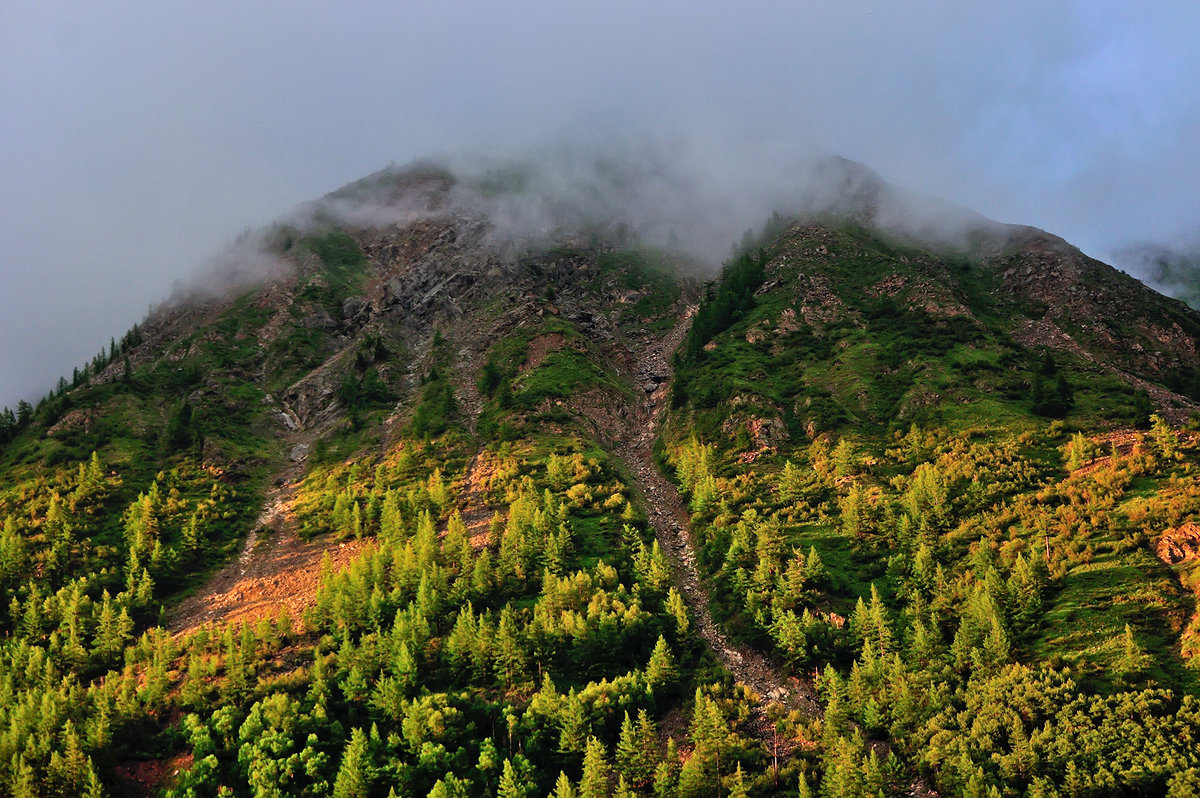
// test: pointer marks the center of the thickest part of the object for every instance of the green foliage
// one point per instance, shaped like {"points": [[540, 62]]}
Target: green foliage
{"points": [[436, 408], [870, 490], [1051, 394], [727, 301], [344, 268]]}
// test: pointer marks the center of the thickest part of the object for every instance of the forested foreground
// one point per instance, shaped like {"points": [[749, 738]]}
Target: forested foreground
{"points": [[545, 651], [990, 605]]}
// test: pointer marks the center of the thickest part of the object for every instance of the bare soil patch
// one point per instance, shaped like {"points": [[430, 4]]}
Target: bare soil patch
{"points": [[276, 569], [539, 347], [149, 777], [1126, 442]]}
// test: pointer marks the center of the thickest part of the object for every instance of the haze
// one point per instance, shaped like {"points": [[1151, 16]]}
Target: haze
{"points": [[137, 139]]}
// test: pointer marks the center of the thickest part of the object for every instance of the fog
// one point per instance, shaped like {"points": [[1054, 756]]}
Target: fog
{"points": [[138, 141], [678, 194]]}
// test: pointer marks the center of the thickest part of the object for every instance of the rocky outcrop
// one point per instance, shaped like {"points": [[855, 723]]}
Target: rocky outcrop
{"points": [[1113, 316], [1180, 544]]}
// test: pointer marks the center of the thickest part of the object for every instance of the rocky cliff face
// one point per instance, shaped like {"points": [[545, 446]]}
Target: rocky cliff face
{"points": [[1106, 312]]}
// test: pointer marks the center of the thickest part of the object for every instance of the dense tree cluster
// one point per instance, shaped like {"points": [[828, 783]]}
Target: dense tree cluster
{"points": [[968, 552]]}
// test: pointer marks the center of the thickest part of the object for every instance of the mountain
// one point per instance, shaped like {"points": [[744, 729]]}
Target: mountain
{"points": [[465, 482]]}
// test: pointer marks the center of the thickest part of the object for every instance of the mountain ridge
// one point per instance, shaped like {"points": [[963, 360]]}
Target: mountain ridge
{"points": [[453, 488]]}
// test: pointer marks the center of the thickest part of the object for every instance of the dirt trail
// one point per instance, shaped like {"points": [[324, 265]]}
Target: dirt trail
{"points": [[473, 506], [652, 371], [665, 508], [276, 569]]}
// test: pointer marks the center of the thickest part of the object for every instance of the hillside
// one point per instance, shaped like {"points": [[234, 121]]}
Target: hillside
{"points": [[439, 503]]}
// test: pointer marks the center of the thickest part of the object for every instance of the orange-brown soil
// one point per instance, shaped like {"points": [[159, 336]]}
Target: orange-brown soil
{"points": [[276, 569]]}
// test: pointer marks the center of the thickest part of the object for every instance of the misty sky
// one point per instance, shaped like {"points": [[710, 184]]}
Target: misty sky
{"points": [[137, 138]]}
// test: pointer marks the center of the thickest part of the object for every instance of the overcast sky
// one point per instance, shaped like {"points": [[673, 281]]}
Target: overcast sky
{"points": [[137, 138]]}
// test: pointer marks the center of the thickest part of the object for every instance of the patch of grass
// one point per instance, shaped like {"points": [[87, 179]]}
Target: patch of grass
{"points": [[344, 270], [1085, 620], [564, 373]]}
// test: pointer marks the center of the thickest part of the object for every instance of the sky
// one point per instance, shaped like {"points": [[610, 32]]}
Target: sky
{"points": [[137, 139]]}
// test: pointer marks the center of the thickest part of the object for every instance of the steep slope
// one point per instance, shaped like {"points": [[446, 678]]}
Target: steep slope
{"points": [[862, 431], [448, 504], [669, 519], [843, 326]]}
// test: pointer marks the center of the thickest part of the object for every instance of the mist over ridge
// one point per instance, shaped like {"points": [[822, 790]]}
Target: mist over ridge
{"points": [[681, 196]]}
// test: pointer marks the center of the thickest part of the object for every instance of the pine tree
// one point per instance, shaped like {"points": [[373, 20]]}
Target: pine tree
{"points": [[709, 733], [14, 561], [855, 513], [623, 789], [489, 760], [628, 752], [92, 788], [355, 774], [665, 780], [636, 749], [573, 724], [1133, 659], [594, 781], [661, 668], [738, 788], [1166, 443], [880, 624], [997, 650], [678, 610], [510, 656], [814, 568], [563, 787], [69, 771], [1079, 452], [790, 483], [511, 785], [845, 458]]}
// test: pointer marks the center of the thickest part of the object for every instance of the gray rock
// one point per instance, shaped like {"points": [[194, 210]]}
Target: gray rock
{"points": [[355, 310], [285, 420]]}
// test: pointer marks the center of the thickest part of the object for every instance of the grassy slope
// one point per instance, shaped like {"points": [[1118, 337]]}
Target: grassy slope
{"points": [[854, 363]]}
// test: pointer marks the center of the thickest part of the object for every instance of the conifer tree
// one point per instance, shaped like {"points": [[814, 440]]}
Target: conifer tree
{"points": [[563, 787], [14, 562], [845, 458], [355, 774], [636, 749], [488, 761], [814, 568], [738, 788], [1133, 658], [678, 610], [790, 483], [510, 655], [511, 785], [573, 724], [594, 781], [665, 780], [1166, 443], [661, 668]]}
